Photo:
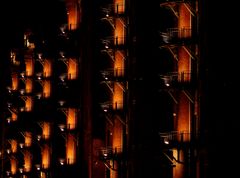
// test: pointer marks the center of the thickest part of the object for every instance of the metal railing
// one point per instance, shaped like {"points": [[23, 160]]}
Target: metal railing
{"points": [[110, 106], [109, 74], [174, 78], [111, 42], [177, 137], [176, 34], [106, 153], [114, 9]]}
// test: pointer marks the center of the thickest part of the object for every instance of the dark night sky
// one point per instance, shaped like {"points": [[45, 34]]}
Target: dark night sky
{"points": [[16, 15]]}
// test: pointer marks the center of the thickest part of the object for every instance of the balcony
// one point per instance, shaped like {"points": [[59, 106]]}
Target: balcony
{"points": [[113, 10], [106, 153], [177, 36], [176, 79], [111, 157], [113, 42], [110, 106], [113, 74], [176, 139]]}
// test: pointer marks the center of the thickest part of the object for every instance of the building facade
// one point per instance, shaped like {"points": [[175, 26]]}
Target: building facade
{"points": [[114, 91]]}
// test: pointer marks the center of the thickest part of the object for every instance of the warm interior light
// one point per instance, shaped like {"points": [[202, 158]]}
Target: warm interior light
{"points": [[29, 85], [73, 14], [118, 96], [28, 103], [46, 130], [119, 63], [119, 33], [28, 139], [119, 6], [71, 118], [70, 149], [15, 81], [47, 68], [45, 156], [29, 67], [27, 161], [72, 69], [46, 88], [14, 145], [117, 135], [183, 119]]}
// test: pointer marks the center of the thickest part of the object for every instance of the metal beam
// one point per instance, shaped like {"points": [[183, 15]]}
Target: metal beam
{"points": [[174, 99], [192, 12], [189, 52], [188, 96], [172, 52]]}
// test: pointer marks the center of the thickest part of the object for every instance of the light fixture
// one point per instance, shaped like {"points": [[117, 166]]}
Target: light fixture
{"points": [[166, 141], [39, 55], [21, 170], [39, 137], [61, 102], [9, 120], [62, 127], [38, 167], [22, 91], [21, 145], [8, 151], [61, 161]]}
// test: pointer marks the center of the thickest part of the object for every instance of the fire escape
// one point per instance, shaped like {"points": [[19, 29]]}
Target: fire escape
{"points": [[40, 86], [68, 98], [23, 153], [114, 79], [180, 83]]}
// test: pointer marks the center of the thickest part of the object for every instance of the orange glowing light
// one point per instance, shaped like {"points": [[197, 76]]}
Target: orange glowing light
{"points": [[29, 85], [14, 116], [119, 33], [27, 161], [73, 14], [184, 22], [184, 65], [14, 145], [119, 64], [46, 88], [13, 166], [28, 139], [119, 6], [46, 157], [117, 134], [118, 96], [71, 149], [46, 130], [178, 170], [29, 67], [15, 81], [72, 69], [184, 111], [28, 104], [47, 69], [71, 118]]}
